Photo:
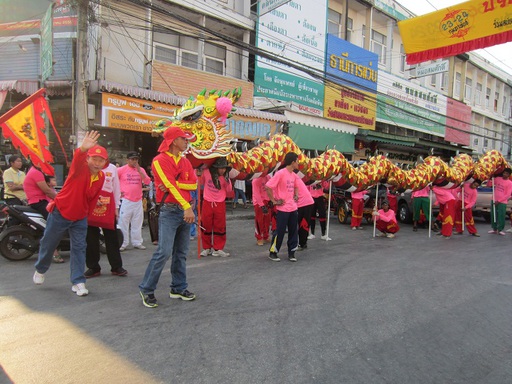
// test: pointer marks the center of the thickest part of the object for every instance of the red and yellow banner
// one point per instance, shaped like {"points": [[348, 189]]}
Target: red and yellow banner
{"points": [[24, 125], [457, 29]]}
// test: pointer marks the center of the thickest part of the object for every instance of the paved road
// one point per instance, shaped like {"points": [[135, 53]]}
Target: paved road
{"points": [[352, 310]]}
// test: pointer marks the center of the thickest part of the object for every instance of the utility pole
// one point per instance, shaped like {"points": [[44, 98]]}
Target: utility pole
{"points": [[82, 75]]}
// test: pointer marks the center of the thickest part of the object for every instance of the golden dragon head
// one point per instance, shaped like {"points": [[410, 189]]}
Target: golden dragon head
{"points": [[205, 117]]}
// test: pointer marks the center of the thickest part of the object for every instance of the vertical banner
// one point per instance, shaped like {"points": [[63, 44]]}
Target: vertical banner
{"points": [[296, 32]]}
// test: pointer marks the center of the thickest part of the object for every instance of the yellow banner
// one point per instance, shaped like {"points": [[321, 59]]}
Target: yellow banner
{"points": [[456, 29], [351, 106]]}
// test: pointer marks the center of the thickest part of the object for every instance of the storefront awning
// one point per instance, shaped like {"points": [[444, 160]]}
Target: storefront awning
{"points": [[163, 97], [311, 132], [25, 87], [387, 138], [448, 147]]}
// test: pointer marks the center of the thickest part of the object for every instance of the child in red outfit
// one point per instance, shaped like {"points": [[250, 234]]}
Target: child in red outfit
{"points": [[213, 218], [386, 221]]}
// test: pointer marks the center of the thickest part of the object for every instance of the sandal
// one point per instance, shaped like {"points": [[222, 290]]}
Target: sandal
{"points": [[57, 259]]}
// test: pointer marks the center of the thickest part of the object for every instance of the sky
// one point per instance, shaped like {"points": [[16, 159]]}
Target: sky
{"points": [[500, 55]]}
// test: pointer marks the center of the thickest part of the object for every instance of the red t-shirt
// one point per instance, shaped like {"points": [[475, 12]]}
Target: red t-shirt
{"points": [[79, 194]]}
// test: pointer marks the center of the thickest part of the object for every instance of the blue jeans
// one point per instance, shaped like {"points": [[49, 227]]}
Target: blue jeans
{"points": [[240, 193], [56, 228], [286, 220], [173, 240]]}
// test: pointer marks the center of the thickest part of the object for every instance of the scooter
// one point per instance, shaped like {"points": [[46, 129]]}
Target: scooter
{"points": [[22, 228]]}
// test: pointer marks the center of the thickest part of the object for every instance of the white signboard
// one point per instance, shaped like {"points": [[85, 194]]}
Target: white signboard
{"points": [[432, 69], [266, 6]]}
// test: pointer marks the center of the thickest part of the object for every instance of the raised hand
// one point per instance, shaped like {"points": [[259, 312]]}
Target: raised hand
{"points": [[90, 140]]}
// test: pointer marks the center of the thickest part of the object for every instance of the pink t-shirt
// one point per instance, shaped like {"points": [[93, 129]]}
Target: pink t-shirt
{"points": [[131, 182], [259, 193], [502, 189], [424, 192], [283, 186], [443, 195], [387, 217], [470, 196], [358, 195], [317, 190], [33, 192], [210, 192], [305, 197]]}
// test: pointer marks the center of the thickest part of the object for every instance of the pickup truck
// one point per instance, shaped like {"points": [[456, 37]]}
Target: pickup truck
{"points": [[482, 206]]}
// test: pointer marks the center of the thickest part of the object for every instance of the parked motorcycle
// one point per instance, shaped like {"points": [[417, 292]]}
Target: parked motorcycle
{"points": [[22, 228]]}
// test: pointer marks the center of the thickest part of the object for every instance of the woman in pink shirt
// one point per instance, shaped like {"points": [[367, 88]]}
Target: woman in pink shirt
{"points": [[470, 195], [386, 221], [305, 205], [213, 218]]}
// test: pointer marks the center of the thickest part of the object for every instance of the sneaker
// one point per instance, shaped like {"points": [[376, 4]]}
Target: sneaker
{"points": [[458, 233], [501, 233], [58, 259], [220, 253], [267, 240], [475, 234], [382, 234], [354, 228], [273, 256], [493, 231], [390, 235], [311, 236], [259, 242], [360, 228], [301, 247], [509, 230], [206, 252], [38, 278], [119, 272], [292, 258], [123, 248], [149, 300], [92, 273], [325, 237], [183, 295], [139, 246], [80, 289], [155, 242], [192, 238], [447, 237]]}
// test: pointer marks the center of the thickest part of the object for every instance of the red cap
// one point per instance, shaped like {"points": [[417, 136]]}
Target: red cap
{"points": [[98, 150], [171, 134]]}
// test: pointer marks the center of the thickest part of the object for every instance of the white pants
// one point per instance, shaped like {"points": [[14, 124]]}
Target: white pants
{"points": [[131, 213]]}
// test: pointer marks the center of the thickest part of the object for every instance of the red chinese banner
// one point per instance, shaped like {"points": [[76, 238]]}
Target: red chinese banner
{"points": [[457, 29], [24, 125]]}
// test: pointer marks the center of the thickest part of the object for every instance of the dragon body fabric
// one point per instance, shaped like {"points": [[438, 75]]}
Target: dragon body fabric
{"points": [[205, 117]]}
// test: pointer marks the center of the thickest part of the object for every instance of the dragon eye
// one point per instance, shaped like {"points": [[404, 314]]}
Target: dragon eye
{"points": [[196, 115]]}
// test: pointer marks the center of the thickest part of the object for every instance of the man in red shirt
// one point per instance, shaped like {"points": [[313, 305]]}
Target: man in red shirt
{"points": [[174, 179], [69, 211]]}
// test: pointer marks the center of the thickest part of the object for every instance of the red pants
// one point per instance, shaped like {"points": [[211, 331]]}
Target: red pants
{"points": [[213, 220], [387, 227], [357, 212], [468, 219], [261, 223], [447, 217], [393, 203]]}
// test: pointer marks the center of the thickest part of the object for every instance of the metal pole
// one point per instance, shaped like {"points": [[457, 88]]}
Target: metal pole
{"points": [[375, 209], [463, 210], [493, 206], [328, 212], [430, 215]]}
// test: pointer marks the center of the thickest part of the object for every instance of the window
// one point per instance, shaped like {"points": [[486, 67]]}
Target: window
{"points": [[476, 142], [364, 35], [496, 100], [456, 90], [433, 80], [215, 58], [478, 94], [350, 29], [486, 144], [379, 46], [166, 54], [468, 90], [402, 58], [334, 23], [444, 81], [488, 97], [504, 106]]}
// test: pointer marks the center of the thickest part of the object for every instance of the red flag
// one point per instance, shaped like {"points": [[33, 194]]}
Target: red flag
{"points": [[24, 126]]}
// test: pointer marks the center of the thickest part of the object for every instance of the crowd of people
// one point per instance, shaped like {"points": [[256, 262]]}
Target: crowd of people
{"points": [[192, 202]]}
